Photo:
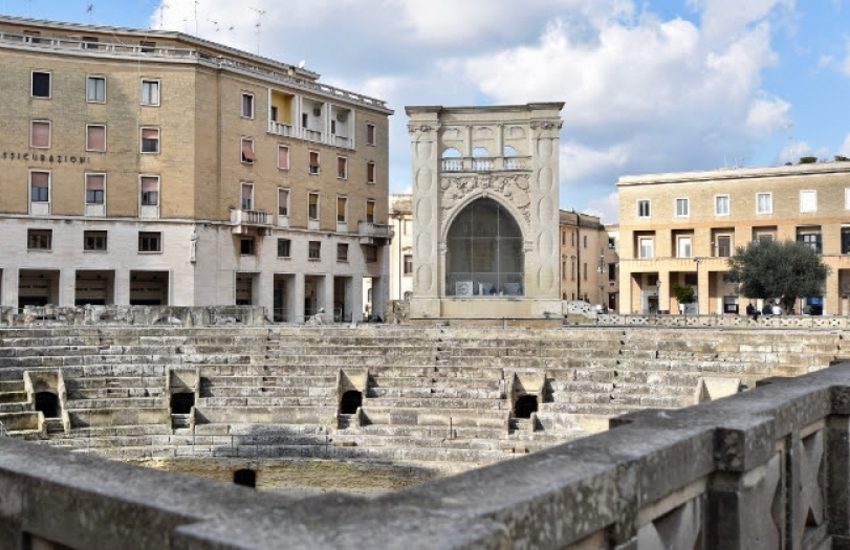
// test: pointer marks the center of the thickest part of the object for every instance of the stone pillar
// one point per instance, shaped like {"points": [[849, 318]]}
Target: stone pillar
{"points": [[67, 287], [122, 287], [328, 297], [703, 290], [264, 292], [297, 309], [425, 153], [832, 294], [665, 292], [356, 298], [838, 472], [9, 287]]}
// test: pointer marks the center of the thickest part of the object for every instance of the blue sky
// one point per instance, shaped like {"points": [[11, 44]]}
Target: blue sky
{"points": [[650, 86]]}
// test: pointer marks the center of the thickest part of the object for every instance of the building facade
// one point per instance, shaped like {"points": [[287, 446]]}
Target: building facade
{"points": [[485, 203], [151, 167], [682, 228], [588, 260], [401, 254]]}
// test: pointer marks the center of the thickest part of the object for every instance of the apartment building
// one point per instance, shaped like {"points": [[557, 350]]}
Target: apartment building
{"points": [[401, 254], [152, 167], [588, 260], [681, 229]]}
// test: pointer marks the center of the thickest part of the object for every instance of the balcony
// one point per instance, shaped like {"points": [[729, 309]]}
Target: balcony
{"points": [[342, 141], [281, 129], [374, 233], [312, 135], [486, 164], [243, 221]]}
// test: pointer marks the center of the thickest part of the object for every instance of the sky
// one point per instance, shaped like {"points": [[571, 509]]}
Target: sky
{"points": [[651, 86]]}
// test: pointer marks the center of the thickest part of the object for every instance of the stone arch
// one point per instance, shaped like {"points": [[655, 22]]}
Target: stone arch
{"points": [[245, 477], [450, 153], [525, 405], [480, 152], [484, 251], [509, 151], [350, 402]]}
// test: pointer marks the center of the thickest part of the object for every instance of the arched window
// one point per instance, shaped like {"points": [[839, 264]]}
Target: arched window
{"points": [[481, 160], [479, 152], [510, 160], [452, 161], [484, 256]]}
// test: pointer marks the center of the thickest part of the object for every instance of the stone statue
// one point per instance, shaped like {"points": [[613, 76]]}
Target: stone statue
{"points": [[193, 246]]}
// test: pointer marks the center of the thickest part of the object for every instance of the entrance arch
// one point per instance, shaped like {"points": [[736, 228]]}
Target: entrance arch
{"points": [[484, 255]]}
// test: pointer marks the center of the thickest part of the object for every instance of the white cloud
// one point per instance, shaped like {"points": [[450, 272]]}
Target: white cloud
{"points": [[607, 207], [793, 151], [643, 93]]}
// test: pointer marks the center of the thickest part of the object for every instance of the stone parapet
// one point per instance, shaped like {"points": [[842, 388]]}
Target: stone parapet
{"points": [[133, 315], [732, 321], [764, 469]]}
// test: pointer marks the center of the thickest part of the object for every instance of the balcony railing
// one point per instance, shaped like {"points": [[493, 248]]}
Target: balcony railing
{"points": [[342, 141], [486, 164], [250, 217], [374, 233], [280, 129], [312, 135]]}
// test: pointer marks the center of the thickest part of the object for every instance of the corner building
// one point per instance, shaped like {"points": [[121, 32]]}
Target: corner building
{"points": [[151, 168], [681, 228]]}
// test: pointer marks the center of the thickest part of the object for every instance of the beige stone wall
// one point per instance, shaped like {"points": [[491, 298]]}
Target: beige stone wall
{"points": [[584, 250], [830, 181]]}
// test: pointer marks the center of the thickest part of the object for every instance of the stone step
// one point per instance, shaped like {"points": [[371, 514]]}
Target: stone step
{"points": [[19, 421], [436, 417], [268, 401]]}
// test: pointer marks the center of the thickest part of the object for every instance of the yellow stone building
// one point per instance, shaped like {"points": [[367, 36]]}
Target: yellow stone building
{"points": [[681, 228], [588, 260], [153, 167]]}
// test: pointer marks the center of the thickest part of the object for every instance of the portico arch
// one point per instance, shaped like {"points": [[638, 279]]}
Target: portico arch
{"points": [[484, 252]]}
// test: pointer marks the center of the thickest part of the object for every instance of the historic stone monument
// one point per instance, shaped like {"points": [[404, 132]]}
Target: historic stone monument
{"points": [[485, 201]]}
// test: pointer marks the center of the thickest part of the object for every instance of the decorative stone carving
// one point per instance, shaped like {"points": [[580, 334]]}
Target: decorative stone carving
{"points": [[512, 188]]}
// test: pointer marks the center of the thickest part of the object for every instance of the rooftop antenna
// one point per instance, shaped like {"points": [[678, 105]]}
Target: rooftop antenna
{"points": [[258, 25], [196, 16], [90, 11], [215, 23], [162, 8]]}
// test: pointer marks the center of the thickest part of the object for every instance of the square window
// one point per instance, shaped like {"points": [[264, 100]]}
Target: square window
{"points": [[96, 138], [283, 157], [94, 240], [95, 188], [808, 200], [682, 208], [314, 250], [811, 237], [683, 247], [40, 134], [41, 84], [247, 196], [40, 186], [247, 105], [146, 46], [246, 246], [96, 89], [408, 264], [341, 168], [90, 42], [645, 247], [764, 203], [370, 172], [150, 190], [370, 211], [282, 202], [39, 239], [283, 248], [248, 150], [313, 206], [370, 134], [314, 162], [150, 140], [341, 209], [342, 252], [723, 246], [150, 93], [845, 240], [721, 205], [150, 241], [643, 208]]}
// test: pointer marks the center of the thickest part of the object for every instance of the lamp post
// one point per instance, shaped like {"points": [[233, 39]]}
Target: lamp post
{"points": [[698, 260]]}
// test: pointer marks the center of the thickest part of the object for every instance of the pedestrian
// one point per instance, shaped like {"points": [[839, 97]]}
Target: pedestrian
{"points": [[752, 311], [766, 310], [776, 309]]}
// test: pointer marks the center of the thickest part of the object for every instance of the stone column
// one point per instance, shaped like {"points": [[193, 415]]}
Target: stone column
{"points": [[356, 298], [67, 287], [837, 474], [831, 295], [425, 153], [122, 287], [297, 308], [328, 298], [9, 285], [264, 293], [703, 277]]}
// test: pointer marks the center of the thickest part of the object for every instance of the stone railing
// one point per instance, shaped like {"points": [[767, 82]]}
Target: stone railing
{"points": [[133, 315], [485, 164], [763, 469], [250, 217], [732, 321]]}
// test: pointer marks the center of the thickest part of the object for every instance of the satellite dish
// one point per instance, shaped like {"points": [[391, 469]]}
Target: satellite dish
{"points": [[301, 64]]}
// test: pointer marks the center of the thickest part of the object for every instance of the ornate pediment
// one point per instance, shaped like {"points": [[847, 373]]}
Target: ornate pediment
{"points": [[512, 189]]}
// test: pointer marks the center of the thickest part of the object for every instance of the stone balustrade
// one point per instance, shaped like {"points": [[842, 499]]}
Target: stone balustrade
{"points": [[732, 321], [132, 315], [764, 469]]}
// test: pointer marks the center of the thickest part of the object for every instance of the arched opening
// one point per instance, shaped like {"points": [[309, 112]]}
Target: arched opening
{"points": [[182, 403], [510, 160], [245, 477], [485, 252], [479, 152], [525, 405], [452, 161], [350, 402], [509, 152], [48, 403]]}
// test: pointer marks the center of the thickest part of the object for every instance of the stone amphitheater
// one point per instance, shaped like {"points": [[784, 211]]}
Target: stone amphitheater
{"points": [[367, 408]]}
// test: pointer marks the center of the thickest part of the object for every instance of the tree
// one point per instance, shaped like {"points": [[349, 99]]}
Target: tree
{"points": [[684, 294], [785, 270]]}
